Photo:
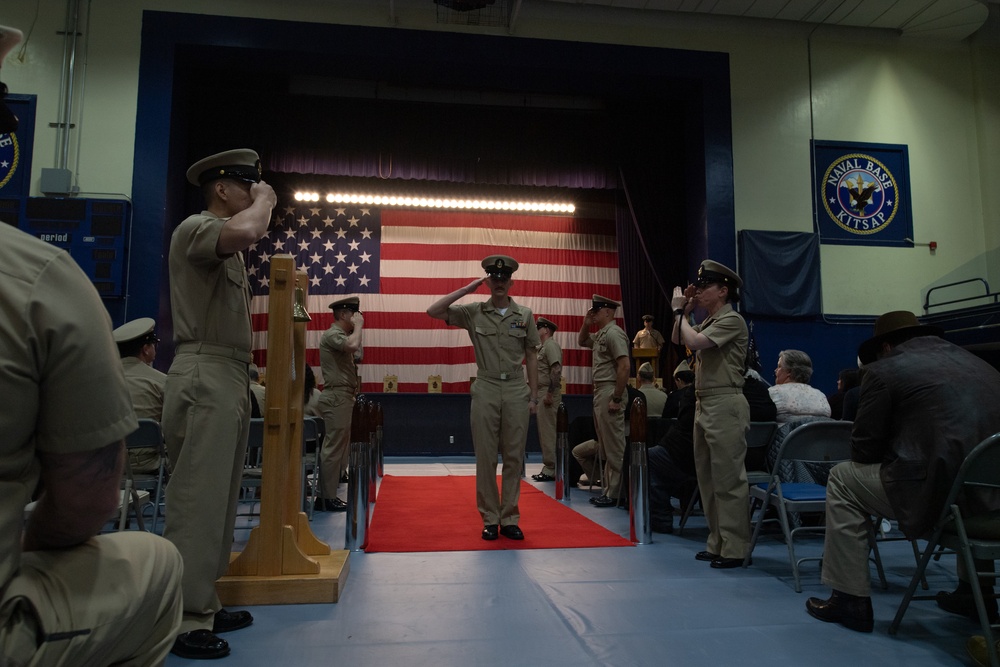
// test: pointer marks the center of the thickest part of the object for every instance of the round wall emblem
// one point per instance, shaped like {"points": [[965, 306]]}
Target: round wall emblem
{"points": [[859, 193], [10, 154]]}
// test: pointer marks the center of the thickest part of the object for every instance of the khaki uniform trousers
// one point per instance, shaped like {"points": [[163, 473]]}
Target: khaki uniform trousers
{"points": [[853, 494], [499, 418], [611, 438], [144, 460], [206, 422], [337, 406], [115, 599], [720, 447], [546, 418], [586, 454]]}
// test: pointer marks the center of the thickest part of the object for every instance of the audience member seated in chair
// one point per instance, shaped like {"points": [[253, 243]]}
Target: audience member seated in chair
{"points": [[655, 398], [136, 342], [671, 462], [925, 404], [847, 379], [791, 393], [69, 596]]}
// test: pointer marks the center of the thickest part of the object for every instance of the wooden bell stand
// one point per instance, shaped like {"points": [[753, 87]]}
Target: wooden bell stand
{"points": [[283, 562]]}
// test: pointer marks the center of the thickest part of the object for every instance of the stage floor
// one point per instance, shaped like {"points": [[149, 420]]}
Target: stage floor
{"points": [[648, 605]]}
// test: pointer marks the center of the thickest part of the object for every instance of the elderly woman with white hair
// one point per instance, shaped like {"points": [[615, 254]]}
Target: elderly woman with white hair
{"points": [[792, 394]]}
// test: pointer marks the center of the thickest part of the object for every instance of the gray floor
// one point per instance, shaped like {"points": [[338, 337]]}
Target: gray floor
{"points": [[643, 605]]}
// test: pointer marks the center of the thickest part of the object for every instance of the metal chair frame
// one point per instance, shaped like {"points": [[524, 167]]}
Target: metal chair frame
{"points": [[148, 435], [979, 470], [815, 442]]}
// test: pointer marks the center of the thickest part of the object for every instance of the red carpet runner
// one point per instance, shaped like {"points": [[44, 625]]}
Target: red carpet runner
{"points": [[439, 514]]}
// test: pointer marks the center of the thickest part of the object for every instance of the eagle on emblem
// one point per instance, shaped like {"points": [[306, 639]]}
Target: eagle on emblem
{"points": [[861, 193]]}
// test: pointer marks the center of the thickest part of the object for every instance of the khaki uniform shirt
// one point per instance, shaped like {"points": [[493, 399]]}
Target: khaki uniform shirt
{"points": [[500, 341], [655, 400], [549, 354], [60, 377], [339, 369], [210, 298], [609, 344], [722, 365], [648, 339], [145, 385]]}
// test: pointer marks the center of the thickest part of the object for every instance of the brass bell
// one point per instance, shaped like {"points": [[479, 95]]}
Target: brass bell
{"points": [[299, 312]]}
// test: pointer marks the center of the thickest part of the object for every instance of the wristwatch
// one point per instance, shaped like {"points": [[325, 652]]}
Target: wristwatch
{"points": [[679, 311]]}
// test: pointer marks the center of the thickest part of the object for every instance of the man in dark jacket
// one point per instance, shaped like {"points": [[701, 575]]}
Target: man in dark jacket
{"points": [[924, 405]]}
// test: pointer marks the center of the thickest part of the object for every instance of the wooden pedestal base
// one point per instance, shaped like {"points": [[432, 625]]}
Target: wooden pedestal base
{"points": [[324, 586]]}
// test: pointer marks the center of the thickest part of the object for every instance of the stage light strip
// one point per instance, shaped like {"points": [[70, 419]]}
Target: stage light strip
{"points": [[439, 202]]}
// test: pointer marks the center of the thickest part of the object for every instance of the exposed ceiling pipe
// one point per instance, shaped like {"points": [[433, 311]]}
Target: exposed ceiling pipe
{"points": [[71, 33]]}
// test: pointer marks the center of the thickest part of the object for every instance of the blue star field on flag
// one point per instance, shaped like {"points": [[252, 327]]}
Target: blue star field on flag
{"points": [[336, 245]]}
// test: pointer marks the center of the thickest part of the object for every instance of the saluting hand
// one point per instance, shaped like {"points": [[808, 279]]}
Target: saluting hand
{"points": [[474, 285], [678, 300], [263, 191]]}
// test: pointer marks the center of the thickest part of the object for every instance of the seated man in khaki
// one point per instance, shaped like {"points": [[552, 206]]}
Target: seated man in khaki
{"points": [[70, 597], [136, 342], [66, 596]]}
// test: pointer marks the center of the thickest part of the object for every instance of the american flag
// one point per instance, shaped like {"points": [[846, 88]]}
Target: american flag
{"points": [[400, 261]]}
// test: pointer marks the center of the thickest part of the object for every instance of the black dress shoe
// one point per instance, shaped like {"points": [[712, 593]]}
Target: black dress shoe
{"points": [[964, 604], [721, 563], [330, 505], [706, 555], [490, 532], [200, 645], [603, 501], [851, 611], [227, 621], [512, 532], [542, 477]]}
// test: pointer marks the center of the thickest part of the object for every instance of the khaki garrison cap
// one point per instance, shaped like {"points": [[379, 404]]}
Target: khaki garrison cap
{"points": [[500, 265], [682, 367], [136, 330], [242, 164], [352, 303]]}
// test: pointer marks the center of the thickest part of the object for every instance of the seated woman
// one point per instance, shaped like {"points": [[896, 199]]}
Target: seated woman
{"points": [[792, 395]]}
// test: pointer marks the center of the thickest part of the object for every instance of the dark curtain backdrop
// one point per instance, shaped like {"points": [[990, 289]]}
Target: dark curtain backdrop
{"points": [[652, 248]]}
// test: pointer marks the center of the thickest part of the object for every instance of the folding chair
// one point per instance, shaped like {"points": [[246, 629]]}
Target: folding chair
{"points": [[975, 537], [313, 430], [758, 438], [252, 465], [149, 436], [815, 442]]}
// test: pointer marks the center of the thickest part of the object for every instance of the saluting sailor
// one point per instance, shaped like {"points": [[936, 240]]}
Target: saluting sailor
{"points": [[503, 336], [206, 406]]}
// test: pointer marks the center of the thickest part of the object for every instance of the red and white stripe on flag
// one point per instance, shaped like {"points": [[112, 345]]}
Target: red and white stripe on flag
{"points": [[427, 254]]}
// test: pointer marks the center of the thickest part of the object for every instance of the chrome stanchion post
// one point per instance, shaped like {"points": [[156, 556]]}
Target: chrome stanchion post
{"points": [[562, 453], [372, 452], [379, 452], [640, 530], [356, 538], [357, 500]]}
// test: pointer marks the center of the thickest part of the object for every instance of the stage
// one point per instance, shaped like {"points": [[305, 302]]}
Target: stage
{"points": [[420, 424]]}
